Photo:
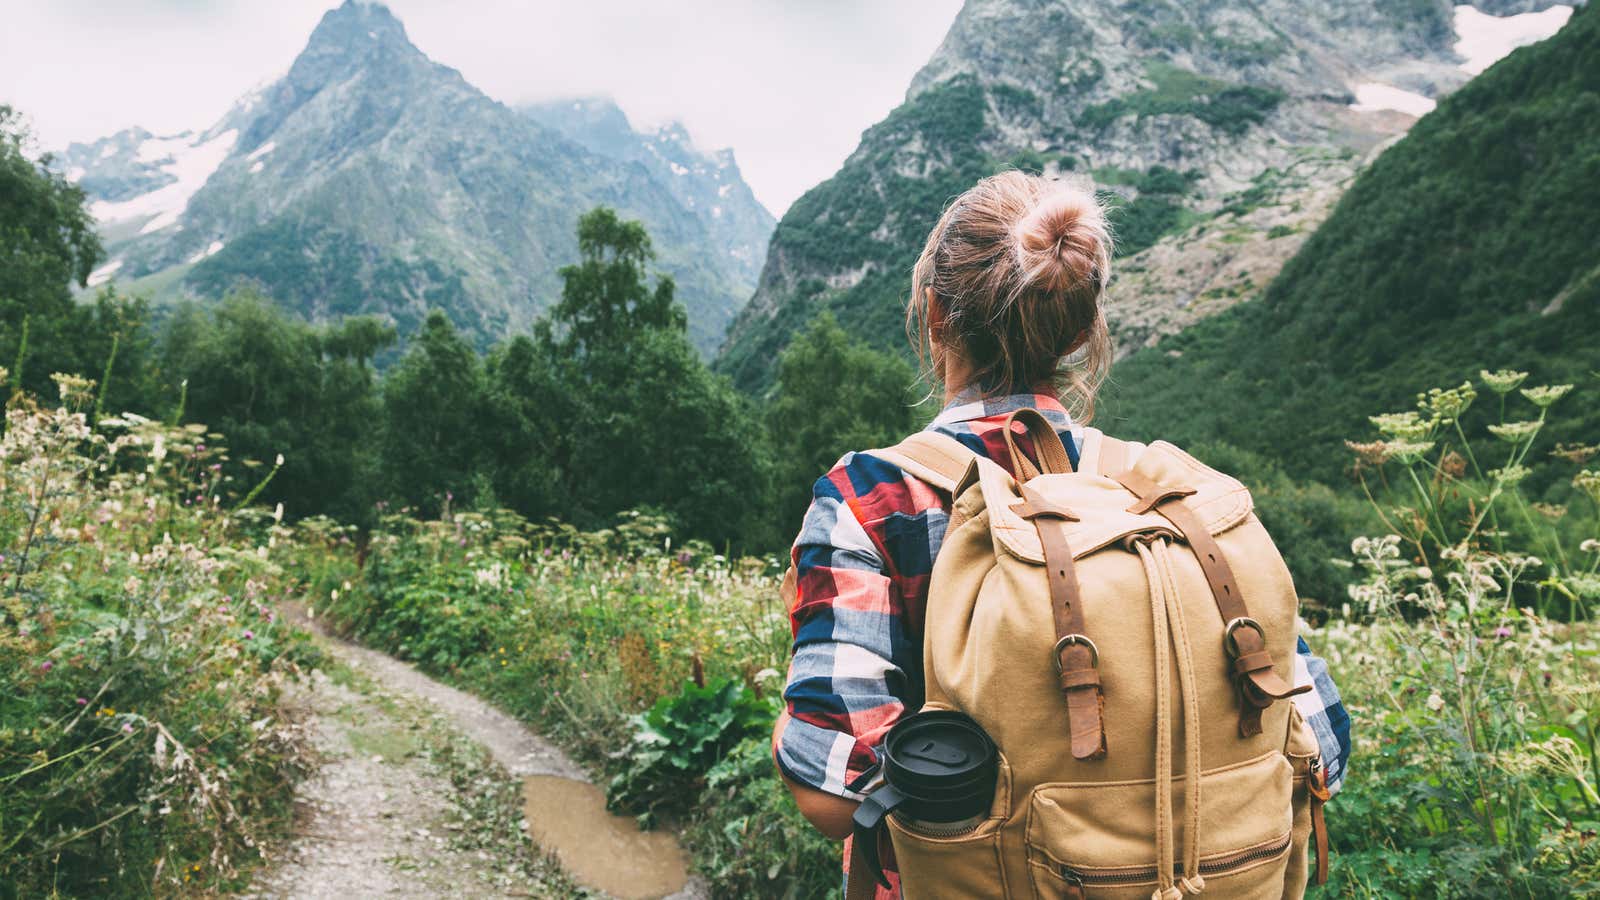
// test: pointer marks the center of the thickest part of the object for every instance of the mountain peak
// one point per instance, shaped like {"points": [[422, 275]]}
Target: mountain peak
{"points": [[351, 37]]}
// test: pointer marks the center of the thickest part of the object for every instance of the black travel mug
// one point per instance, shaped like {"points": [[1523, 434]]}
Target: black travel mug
{"points": [[939, 773]]}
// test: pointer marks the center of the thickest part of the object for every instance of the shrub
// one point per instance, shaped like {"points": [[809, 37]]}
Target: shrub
{"points": [[143, 747], [680, 738]]}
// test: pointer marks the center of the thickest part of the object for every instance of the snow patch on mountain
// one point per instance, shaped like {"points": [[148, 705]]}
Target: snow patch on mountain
{"points": [[1374, 96], [262, 150], [210, 249], [190, 163], [1482, 39], [103, 274]]}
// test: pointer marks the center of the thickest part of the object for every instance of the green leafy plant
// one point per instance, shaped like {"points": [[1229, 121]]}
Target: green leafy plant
{"points": [[749, 838], [680, 738]]}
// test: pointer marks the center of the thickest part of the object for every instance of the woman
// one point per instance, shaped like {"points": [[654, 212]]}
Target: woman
{"points": [[1006, 306]]}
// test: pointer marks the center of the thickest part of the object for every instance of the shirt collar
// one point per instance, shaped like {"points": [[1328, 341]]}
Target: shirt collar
{"points": [[972, 404]]}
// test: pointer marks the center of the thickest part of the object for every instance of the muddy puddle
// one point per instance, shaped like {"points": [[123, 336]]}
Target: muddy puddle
{"points": [[569, 819]]}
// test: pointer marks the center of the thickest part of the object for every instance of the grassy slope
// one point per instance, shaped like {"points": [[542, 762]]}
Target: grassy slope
{"points": [[1443, 258]]}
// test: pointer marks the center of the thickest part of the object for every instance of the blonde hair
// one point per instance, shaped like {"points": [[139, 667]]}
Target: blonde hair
{"points": [[1019, 263]]}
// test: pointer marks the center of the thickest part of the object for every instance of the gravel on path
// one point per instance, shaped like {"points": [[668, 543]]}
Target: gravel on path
{"points": [[379, 817]]}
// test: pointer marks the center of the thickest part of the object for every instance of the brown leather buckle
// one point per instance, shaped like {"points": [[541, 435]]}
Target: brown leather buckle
{"points": [[1068, 640], [1230, 644]]}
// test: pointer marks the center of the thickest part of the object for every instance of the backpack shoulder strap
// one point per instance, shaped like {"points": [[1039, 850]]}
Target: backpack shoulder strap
{"points": [[937, 459], [1105, 455]]}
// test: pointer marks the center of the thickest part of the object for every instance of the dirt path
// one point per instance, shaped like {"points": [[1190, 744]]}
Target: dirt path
{"points": [[418, 795]]}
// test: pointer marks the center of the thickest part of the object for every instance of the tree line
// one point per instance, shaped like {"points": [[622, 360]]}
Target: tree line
{"points": [[604, 406]]}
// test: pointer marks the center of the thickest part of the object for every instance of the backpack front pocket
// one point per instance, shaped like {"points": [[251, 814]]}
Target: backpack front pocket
{"points": [[966, 864], [1098, 840]]}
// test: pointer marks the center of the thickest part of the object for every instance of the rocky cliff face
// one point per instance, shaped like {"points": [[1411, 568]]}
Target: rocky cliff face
{"points": [[1220, 131], [707, 184], [370, 179]]}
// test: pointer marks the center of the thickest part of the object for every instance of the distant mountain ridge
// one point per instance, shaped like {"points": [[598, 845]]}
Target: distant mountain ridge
{"points": [[370, 179], [1223, 131], [708, 184]]}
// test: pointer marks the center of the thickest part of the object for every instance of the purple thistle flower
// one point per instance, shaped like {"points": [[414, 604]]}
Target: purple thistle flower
{"points": [[248, 634], [46, 666], [1502, 632], [83, 701]]}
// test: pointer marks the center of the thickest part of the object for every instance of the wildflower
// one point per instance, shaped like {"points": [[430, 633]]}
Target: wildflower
{"points": [[1510, 475], [1544, 395], [279, 460], [277, 513], [1585, 584], [1514, 432], [127, 728], [1588, 481], [1502, 632], [1446, 406], [1408, 452], [1590, 546], [1435, 702], [1577, 454], [83, 701], [1503, 381], [1550, 510], [1405, 426], [158, 449], [249, 635], [46, 666]]}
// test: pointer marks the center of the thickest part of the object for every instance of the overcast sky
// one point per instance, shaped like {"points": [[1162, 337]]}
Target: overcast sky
{"points": [[789, 84]]}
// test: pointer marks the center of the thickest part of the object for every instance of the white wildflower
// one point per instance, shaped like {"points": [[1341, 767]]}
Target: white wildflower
{"points": [[1544, 395], [1503, 381]]}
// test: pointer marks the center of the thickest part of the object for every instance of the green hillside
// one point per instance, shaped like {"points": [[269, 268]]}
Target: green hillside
{"points": [[1472, 242]]}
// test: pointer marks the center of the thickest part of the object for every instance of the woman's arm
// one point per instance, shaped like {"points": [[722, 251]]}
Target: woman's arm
{"points": [[847, 681], [830, 813]]}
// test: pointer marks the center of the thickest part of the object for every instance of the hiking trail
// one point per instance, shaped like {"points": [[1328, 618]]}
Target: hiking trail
{"points": [[423, 790]]}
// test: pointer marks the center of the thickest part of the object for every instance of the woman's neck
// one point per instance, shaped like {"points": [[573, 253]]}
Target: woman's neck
{"points": [[956, 374]]}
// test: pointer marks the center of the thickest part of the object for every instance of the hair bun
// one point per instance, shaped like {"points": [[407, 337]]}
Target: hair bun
{"points": [[1062, 241]]}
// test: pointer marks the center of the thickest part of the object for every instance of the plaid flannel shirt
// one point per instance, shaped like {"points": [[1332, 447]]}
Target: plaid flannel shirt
{"points": [[862, 563]]}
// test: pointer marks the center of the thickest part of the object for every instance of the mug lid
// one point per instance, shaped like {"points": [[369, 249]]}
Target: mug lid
{"points": [[939, 750]]}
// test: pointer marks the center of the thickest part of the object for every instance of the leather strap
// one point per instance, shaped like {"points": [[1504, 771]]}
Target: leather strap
{"points": [[1317, 787], [858, 885], [1255, 680], [1053, 458], [1077, 659]]}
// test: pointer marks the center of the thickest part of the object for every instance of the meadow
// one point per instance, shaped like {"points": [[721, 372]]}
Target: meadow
{"points": [[1464, 651], [145, 747]]}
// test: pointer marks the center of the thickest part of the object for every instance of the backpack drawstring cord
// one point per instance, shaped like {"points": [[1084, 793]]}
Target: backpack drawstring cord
{"points": [[1191, 882]]}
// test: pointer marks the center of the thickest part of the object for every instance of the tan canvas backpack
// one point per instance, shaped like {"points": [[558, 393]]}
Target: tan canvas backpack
{"points": [[1124, 634]]}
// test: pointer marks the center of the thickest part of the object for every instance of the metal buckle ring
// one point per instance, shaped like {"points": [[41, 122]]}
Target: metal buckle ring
{"points": [[1230, 644], [1068, 640]]}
